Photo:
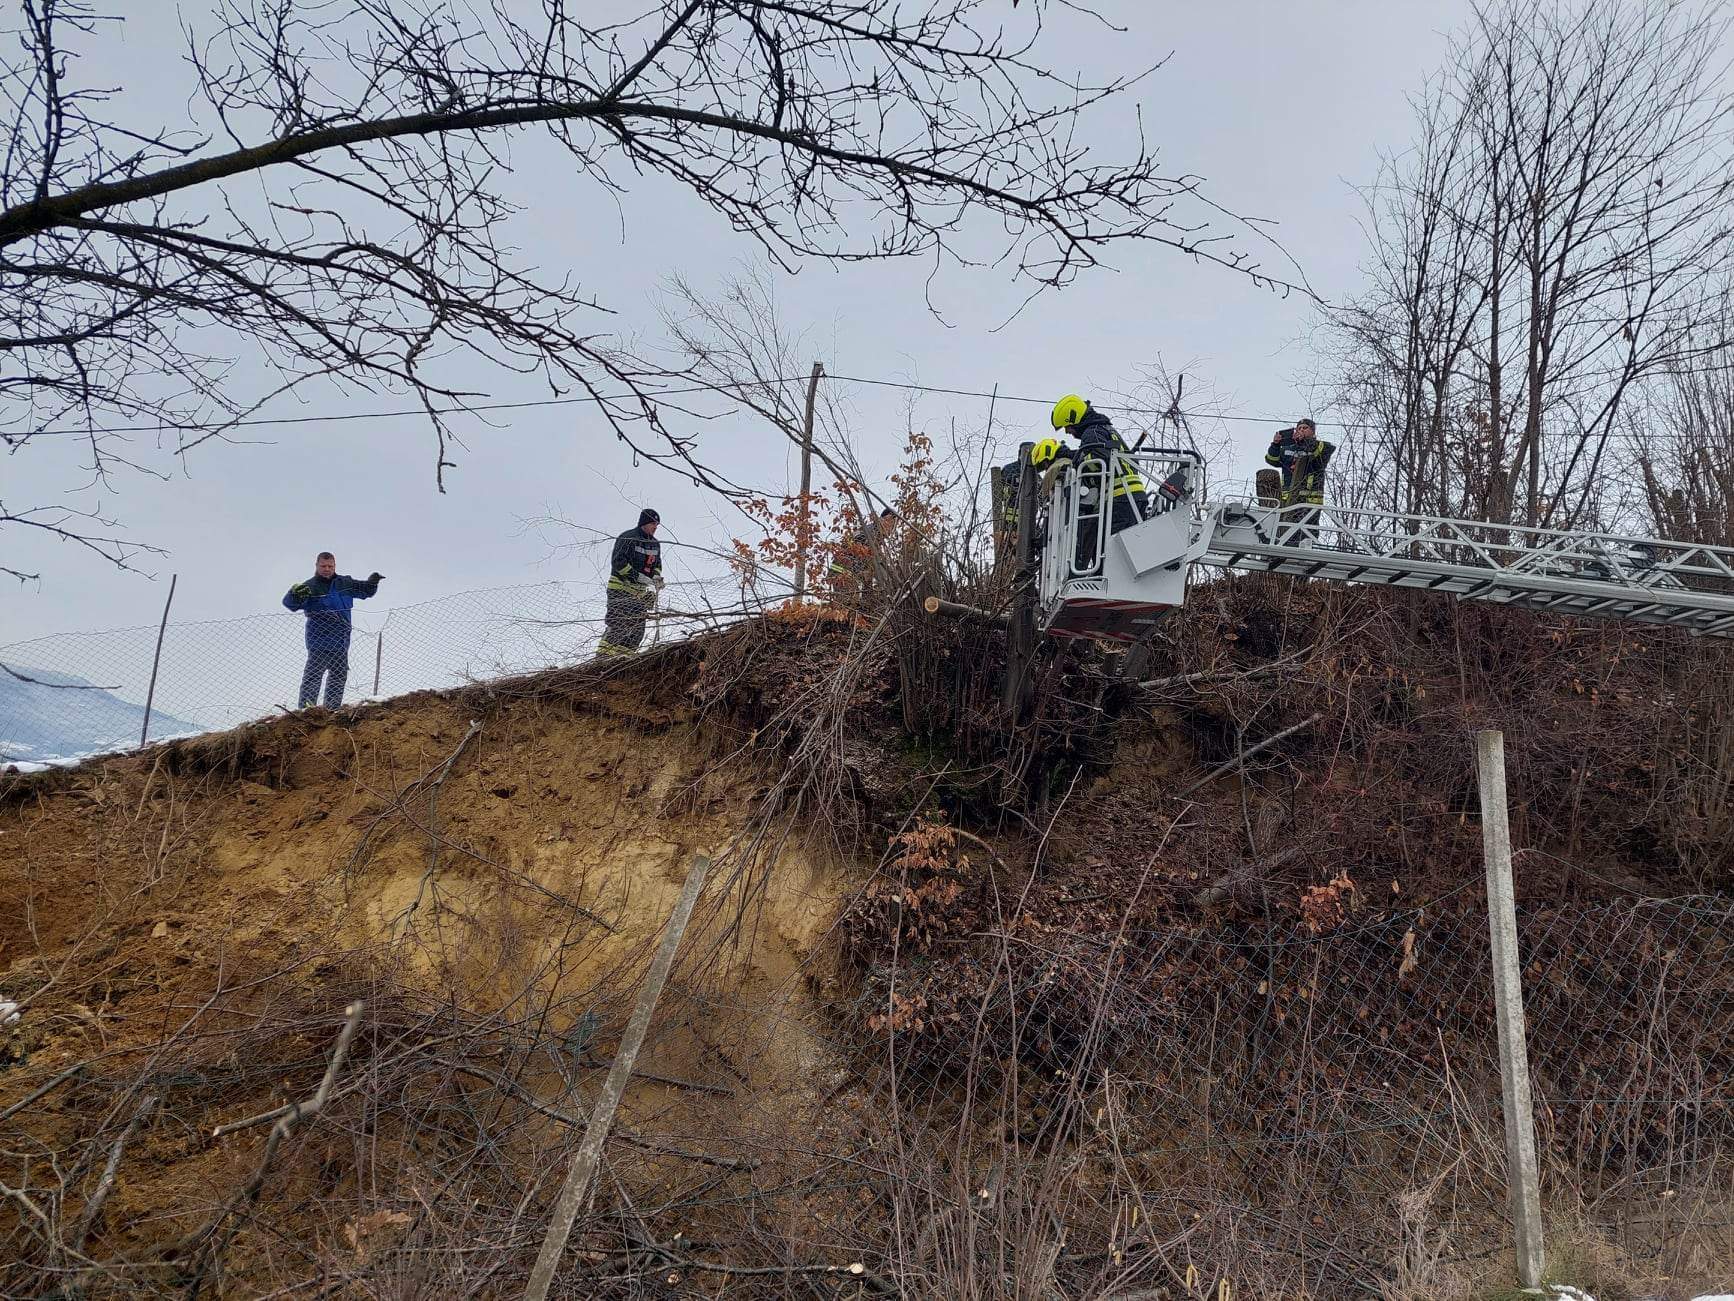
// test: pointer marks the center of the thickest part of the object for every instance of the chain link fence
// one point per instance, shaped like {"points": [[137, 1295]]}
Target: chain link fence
{"points": [[1296, 1107], [71, 695]]}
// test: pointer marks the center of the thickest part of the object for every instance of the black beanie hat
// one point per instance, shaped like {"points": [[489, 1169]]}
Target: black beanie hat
{"points": [[648, 516]]}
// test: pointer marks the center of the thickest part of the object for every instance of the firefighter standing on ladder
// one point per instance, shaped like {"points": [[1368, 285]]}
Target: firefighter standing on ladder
{"points": [[1302, 456], [634, 580], [1098, 440]]}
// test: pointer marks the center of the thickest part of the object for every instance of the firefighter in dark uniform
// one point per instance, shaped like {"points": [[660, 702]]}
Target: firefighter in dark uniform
{"points": [[1098, 440], [1288, 447], [853, 563], [1302, 457], [1005, 518], [634, 580]]}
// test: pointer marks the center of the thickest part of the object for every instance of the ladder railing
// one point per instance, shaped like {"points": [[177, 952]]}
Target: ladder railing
{"points": [[1609, 575], [1079, 508]]}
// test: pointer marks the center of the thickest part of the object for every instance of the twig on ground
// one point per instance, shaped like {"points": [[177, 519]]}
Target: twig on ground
{"points": [[624, 1135], [721, 1089], [1223, 769], [433, 849], [303, 1110], [1223, 675], [105, 1185], [43, 1090]]}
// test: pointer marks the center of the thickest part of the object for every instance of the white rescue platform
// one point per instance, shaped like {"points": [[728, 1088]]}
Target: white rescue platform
{"points": [[1117, 584]]}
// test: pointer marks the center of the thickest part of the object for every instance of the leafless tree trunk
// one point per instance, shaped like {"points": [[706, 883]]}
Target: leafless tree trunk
{"points": [[738, 344], [1684, 450]]}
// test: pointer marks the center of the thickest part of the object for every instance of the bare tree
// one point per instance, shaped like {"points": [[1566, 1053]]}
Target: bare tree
{"points": [[1541, 253], [334, 206], [1404, 343], [1684, 449], [739, 344]]}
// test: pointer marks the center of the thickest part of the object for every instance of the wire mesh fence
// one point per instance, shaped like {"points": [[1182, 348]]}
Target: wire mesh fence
{"points": [[1285, 1104], [71, 695]]}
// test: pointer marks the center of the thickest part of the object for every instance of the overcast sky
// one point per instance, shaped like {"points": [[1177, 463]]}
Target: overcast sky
{"points": [[1283, 108]]}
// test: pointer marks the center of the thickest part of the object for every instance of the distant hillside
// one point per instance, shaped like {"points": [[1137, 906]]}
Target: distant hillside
{"points": [[46, 716]]}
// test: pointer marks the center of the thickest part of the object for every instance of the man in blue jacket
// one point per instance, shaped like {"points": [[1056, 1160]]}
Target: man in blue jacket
{"points": [[326, 599]]}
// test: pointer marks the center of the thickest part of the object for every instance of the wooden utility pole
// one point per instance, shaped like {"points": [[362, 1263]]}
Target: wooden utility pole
{"points": [[806, 540], [577, 1187], [1021, 636], [144, 732], [1522, 1171]]}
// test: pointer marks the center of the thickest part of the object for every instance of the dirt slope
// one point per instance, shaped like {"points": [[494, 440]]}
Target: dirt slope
{"points": [[299, 857], [984, 1006]]}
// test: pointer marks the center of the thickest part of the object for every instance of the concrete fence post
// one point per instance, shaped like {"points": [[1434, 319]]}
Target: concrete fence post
{"points": [[575, 1193], [144, 731], [1523, 1172]]}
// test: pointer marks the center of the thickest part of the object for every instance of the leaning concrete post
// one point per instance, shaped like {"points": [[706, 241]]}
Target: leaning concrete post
{"points": [[576, 1191], [1523, 1172]]}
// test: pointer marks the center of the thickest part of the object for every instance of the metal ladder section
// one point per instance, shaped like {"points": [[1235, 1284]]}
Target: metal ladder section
{"points": [[1601, 575]]}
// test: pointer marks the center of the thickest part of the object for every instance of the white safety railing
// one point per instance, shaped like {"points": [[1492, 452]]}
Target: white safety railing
{"points": [[1685, 585], [1637, 563], [1080, 507]]}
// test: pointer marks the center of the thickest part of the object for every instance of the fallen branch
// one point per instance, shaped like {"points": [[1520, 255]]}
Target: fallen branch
{"points": [[303, 1110], [105, 1185], [974, 839], [953, 610], [1221, 675], [1239, 759], [264, 1117], [576, 1190], [435, 774], [433, 849], [855, 1269], [43, 1089], [721, 1090], [535, 1104]]}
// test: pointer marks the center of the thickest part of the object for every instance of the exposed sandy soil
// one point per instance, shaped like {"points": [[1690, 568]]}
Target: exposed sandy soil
{"points": [[297, 855]]}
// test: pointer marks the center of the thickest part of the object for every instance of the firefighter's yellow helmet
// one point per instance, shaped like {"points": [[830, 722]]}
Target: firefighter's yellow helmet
{"points": [[1069, 410], [1044, 452]]}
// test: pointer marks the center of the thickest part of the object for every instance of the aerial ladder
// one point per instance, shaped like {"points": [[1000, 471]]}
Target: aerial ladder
{"points": [[1079, 578]]}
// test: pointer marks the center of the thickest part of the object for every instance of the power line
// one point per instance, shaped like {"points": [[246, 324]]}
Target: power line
{"points": [[219, 425], [531, 404], [345, 416]]}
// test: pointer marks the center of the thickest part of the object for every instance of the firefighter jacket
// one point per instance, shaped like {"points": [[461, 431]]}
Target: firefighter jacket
{"points": [[1285, 451], [1099, 440], [855, 556], [636, 563], [1009, 475]]}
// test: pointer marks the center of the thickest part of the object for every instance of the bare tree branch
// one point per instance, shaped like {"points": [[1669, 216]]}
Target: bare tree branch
{"points": [[366, 250]]}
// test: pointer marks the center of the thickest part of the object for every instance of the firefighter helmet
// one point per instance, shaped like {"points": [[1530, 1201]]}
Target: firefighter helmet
{"points": [[1069, 410], [1044, 452]]}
